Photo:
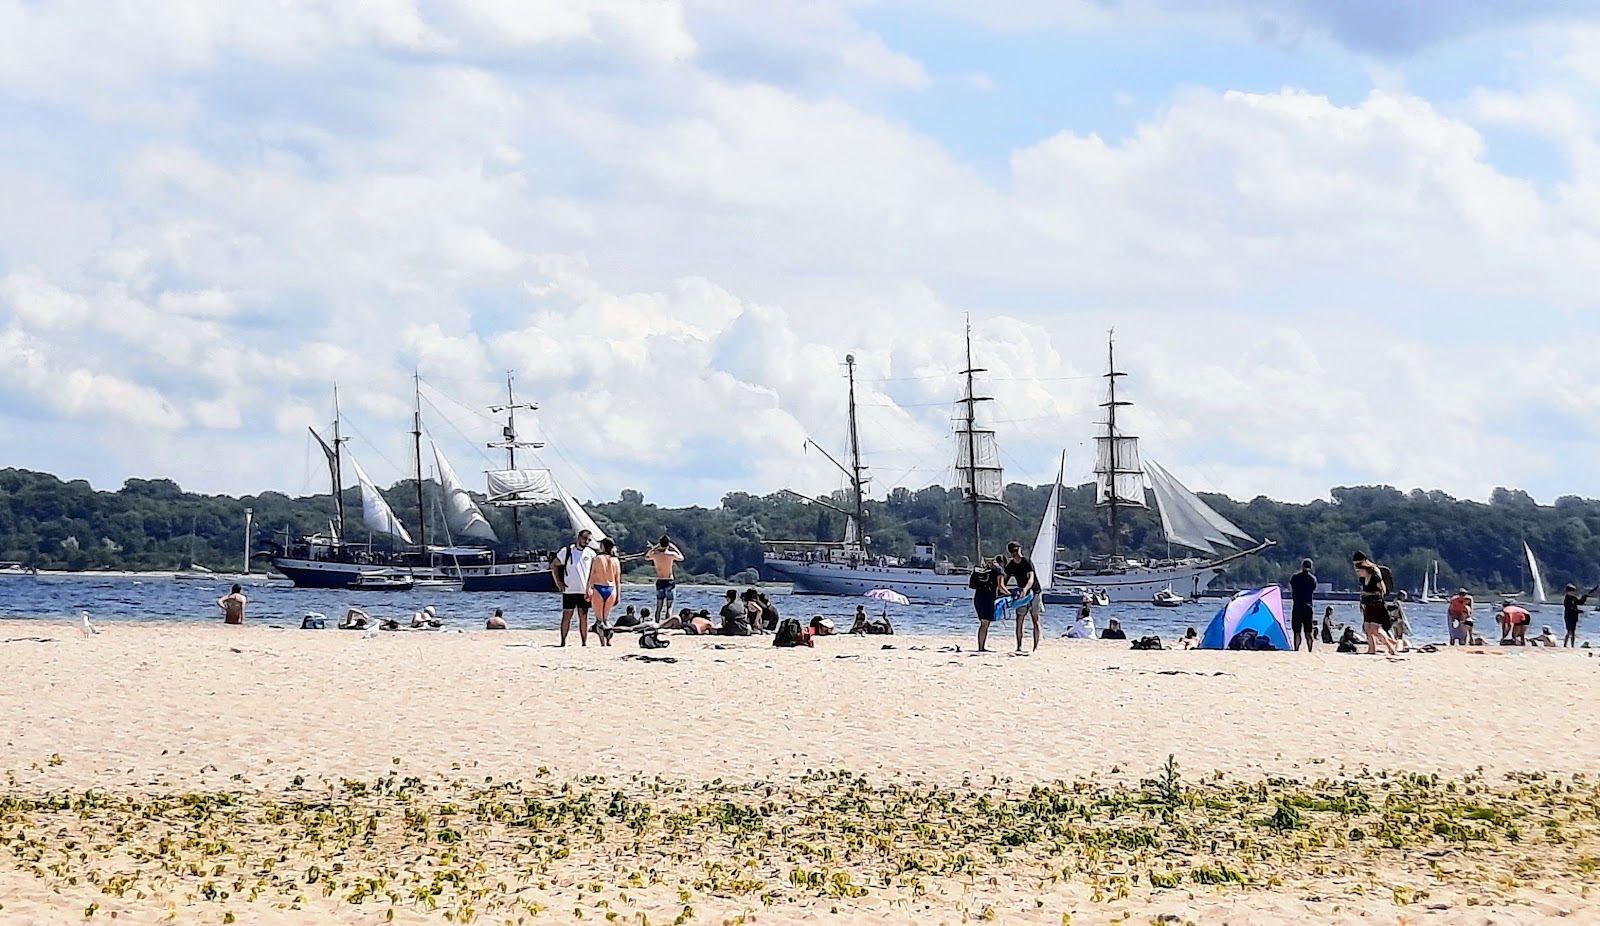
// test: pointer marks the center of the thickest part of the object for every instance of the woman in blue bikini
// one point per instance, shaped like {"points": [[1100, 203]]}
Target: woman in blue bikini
{"points": [[605, 580]]}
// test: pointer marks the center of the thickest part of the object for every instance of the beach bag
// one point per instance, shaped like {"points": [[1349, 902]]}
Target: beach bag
{"points": [[651, 638], [1243, 640], [979, 580], [790, 633]]}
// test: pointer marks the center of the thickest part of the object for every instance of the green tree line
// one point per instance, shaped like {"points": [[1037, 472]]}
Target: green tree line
{"points": [[153, 524]]}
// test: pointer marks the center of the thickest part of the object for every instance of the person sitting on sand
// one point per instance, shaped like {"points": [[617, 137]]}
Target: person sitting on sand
{"points": [[313, 620], [1191, 640], [428, 618], [860, 625], [769, 612], [735, 620], [1084, 628], [496, 621], [700, 623], [1113, 631], [1327, 625], [628, 620], [683, 620], [821, 626], [232, 605], [1545, 638], [1349, 642], [1400, 628], [355, 619]]}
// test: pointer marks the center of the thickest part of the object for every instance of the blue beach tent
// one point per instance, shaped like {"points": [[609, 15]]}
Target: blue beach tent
{"points": [[1260, 610]]}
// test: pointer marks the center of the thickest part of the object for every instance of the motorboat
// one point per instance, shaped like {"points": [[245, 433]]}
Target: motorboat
{"points": [[1167, 598]]}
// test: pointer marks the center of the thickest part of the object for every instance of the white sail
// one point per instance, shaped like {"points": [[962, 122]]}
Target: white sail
{"points": [[1044, 545], [580, 519], [1125, 479], [852, 532], [375, 511], [978, 464], [1187, 520], [519, 487], [461, 513], [1538, 578]]}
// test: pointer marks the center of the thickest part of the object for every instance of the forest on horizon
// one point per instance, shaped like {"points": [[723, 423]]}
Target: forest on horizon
{"points": [[152, 524]]}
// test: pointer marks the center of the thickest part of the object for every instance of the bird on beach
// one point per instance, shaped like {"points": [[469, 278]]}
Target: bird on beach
{"points": [[87, 627]]}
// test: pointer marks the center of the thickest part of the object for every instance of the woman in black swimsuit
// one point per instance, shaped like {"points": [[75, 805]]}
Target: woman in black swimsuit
{"points": [[1374, 612]]}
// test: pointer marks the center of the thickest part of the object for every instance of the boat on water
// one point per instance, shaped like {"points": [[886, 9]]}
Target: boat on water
{"points": [[849, 567], [1540, 595], [1430, 586], [384, 582], [1167, 598]]}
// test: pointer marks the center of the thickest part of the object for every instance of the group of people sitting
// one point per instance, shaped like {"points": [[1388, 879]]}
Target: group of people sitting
{"points": [[358, 619]]}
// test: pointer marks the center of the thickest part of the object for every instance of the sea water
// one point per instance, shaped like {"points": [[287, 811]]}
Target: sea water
{"points": [[162, 598]]}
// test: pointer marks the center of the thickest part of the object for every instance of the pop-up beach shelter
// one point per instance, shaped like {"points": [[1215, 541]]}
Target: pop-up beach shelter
{"points": [[1260, 610]]}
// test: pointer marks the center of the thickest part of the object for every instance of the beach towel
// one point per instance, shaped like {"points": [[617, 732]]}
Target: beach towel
{"points": [[1006, 603]]}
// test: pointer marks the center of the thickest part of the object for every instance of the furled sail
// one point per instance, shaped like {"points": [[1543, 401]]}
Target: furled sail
{"points": [[461, 513], [1118, 471], [978, 470], [1186, 519], [375, 511], [519, 487], [1044, 545]]}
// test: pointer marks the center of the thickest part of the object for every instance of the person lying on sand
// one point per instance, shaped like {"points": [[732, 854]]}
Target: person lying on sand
{"points": [[821, 626], [428, 618], [355, 619], [389, 623]]}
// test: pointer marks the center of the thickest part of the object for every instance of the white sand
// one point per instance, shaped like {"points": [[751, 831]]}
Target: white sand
{"points": [[158, 707]]}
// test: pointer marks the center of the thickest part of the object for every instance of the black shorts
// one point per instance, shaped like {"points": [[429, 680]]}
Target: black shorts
{"points": [[1572, 623], [983, 603], [1304, 620], [570, 602]]}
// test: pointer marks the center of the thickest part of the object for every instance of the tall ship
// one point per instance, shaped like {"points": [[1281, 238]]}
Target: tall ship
{"points": [[850, 567], [390, 559]]}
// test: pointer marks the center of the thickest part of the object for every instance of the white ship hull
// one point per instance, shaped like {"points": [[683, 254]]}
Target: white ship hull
{"points": [[1134, 585]]}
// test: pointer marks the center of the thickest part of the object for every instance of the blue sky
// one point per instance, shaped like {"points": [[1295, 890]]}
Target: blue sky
{"points": [[1340, 242]]}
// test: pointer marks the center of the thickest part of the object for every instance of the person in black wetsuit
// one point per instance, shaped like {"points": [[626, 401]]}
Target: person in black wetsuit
{"points": [[1374, 610], [991, 581], [1572, 608], [1303, 616]]}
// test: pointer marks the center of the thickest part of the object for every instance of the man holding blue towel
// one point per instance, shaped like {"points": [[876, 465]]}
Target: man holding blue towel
{"points": [[1024, 586]]}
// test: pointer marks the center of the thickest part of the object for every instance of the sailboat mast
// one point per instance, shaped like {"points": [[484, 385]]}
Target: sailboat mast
{"points": [[972, 454], [1111, 432], [855, 456], [416, 439], [338, 470]]}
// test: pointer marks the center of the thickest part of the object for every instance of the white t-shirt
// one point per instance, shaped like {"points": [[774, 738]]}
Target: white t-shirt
{"points": [[577, 567], [1082, 629]]}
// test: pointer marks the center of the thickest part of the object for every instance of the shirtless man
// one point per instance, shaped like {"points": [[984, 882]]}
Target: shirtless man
{"points": [[232, 605], [663, 555]]}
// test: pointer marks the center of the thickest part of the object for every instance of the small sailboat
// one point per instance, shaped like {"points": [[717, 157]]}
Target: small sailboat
{"points": [[1167, 598], [1539, 594], [1430, 586]]}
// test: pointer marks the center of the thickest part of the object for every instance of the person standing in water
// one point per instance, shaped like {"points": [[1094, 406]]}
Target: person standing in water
{"points": [[1302, 592], [605, 587], [570, 566], [1572, 608], [232, 605], [664, 555]]}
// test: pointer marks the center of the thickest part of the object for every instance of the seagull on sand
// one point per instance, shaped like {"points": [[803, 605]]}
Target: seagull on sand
{"points": [[87, 626]]}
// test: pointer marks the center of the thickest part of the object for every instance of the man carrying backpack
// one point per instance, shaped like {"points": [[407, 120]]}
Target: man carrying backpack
{"points": [[570, 566]]}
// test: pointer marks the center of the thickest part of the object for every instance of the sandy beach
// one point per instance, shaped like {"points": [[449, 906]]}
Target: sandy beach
{"points": [[262, 727]]}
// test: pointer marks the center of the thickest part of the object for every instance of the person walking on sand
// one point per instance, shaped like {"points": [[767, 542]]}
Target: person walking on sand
{"points": [[1302, 592], [1374, 609], [1572, 608], [988, 581], [1024, 582], [570, 566], [664, 554], [232, 605], [605, 587]]}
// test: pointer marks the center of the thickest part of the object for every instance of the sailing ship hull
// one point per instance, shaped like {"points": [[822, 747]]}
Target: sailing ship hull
{"points": [[316, 573], [1132, 586], [508, 577]]}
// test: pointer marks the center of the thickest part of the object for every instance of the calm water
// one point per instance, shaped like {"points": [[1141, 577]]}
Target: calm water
{"points": [[165, 599]]}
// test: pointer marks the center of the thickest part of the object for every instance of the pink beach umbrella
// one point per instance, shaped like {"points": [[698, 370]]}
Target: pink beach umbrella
{"points": [[889, 595]]}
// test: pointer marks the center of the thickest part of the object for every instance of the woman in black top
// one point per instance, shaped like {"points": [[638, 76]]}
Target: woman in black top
{"points": [[1374, 612], [991, 583], [1572, 608]]}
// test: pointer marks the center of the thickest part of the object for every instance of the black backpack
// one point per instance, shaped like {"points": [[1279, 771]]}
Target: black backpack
{"points": [[1244, 639], [789, 633], [652, 639], [1146, 643], [979, 579]]}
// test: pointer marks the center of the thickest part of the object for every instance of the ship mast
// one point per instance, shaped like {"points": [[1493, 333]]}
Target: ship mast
{"points": [[856, 479], [416, 437], [1111, 406], [509, 444], [338, 469], [971, 402]]}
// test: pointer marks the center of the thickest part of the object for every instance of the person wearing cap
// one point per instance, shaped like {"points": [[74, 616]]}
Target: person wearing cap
{"points": [[1374, 609], [1571, 609], [822, 626], [427, 617], [1460, 616], [1545, 638], [1303, 614]]}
